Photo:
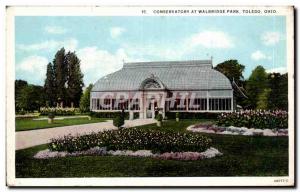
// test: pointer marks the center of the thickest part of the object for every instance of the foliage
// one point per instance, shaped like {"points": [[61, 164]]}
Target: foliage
{"points": [[112, 114], [49, 86], [263, 99], [177, 114], [75, 78], [232, 70], [133, 139], [84, 105], [58, 111], [256, 84], [259, 119], [278, 98], [27, 116], [191, 115], [51, 115], [19, 85], [30, 98], [60, 72], [64, 79], [159, 117], [119, 120]]}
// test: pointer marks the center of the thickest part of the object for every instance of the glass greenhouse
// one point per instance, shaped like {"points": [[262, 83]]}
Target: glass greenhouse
{"points": [[169, 86]]}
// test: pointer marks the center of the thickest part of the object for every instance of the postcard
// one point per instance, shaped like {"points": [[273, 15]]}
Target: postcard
{"points": [[150, 96]]}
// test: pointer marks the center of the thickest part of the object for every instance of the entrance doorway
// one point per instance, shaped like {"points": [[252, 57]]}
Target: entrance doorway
{"points": [[150, 109]]}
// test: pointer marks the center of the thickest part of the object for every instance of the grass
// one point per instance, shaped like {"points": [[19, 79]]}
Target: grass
{"points": [[29, 124], [243, 156]]}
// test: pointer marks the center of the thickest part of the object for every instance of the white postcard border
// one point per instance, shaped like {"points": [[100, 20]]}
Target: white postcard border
{"points": [[137, 181]]}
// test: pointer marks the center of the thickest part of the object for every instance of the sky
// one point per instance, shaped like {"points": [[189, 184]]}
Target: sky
{"points": [[104, 43]]}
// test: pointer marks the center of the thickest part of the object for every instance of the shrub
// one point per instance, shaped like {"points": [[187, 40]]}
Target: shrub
{"points": [[22, 112], [119, 120], [192, 115], [133, 139], [27, 116], [51, 115], [109, 115], [260, 119], [159, 117], [58, 111]]}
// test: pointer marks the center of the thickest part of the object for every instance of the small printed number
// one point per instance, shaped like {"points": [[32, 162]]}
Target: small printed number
{"points": [[281, 180]]}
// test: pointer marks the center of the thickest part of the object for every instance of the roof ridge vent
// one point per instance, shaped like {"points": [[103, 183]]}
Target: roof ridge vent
{"points": [[164, 64]]}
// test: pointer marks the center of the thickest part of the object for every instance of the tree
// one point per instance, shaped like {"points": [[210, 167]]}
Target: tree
{"points": [[278, 98], [19, 85], [75, 79], [49, 86], [263, 99], [60, 70], [232, 70], [85, 99], [64, 80], [255, 86], [31, 98]]}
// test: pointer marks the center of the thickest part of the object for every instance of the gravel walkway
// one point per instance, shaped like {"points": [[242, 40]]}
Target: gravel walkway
{"points": [[26, 139]]}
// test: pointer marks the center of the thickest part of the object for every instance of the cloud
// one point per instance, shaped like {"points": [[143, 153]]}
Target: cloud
{"points": [[270, 38], [211, 39], [281, 70], [258, 55], [96, 62], [33, 63], [32, 69], [69, 44], [115, 32], [180, 49], [154, 51], [55, 30]]}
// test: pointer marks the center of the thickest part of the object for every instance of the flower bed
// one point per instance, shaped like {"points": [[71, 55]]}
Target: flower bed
{"points": [[259, 119], [58, 111], [133, 139], [231, 130], [100, 151]]}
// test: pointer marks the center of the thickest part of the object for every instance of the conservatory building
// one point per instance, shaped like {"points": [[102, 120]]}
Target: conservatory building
{"points": [[169, 86]]}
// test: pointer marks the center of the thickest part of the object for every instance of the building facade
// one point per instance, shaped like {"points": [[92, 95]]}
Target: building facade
{"points": [[169, 86]]}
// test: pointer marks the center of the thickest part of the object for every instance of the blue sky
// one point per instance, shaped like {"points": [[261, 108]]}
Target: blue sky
{"points": [[103, 43]]}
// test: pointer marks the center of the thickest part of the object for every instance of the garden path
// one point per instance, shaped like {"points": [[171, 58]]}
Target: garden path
{"points": [[26, 139]]}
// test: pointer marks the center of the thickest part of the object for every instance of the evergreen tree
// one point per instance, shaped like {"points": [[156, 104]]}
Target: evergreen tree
{"points": [[60, 70], [255, 86], [49, 86], [75, 79], [85, 99]]}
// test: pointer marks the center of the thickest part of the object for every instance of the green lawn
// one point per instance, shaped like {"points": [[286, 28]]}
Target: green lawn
{"points": [[29, 124], [243, 156]]}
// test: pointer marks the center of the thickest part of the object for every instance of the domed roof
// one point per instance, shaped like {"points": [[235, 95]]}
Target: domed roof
{"points": [[175, 75]]}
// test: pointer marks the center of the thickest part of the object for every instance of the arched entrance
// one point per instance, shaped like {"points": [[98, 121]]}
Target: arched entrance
{"points": [[153, 97]]}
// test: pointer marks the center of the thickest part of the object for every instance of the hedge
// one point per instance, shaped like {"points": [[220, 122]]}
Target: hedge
{"points": [[112, 115], [190, 115]]}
